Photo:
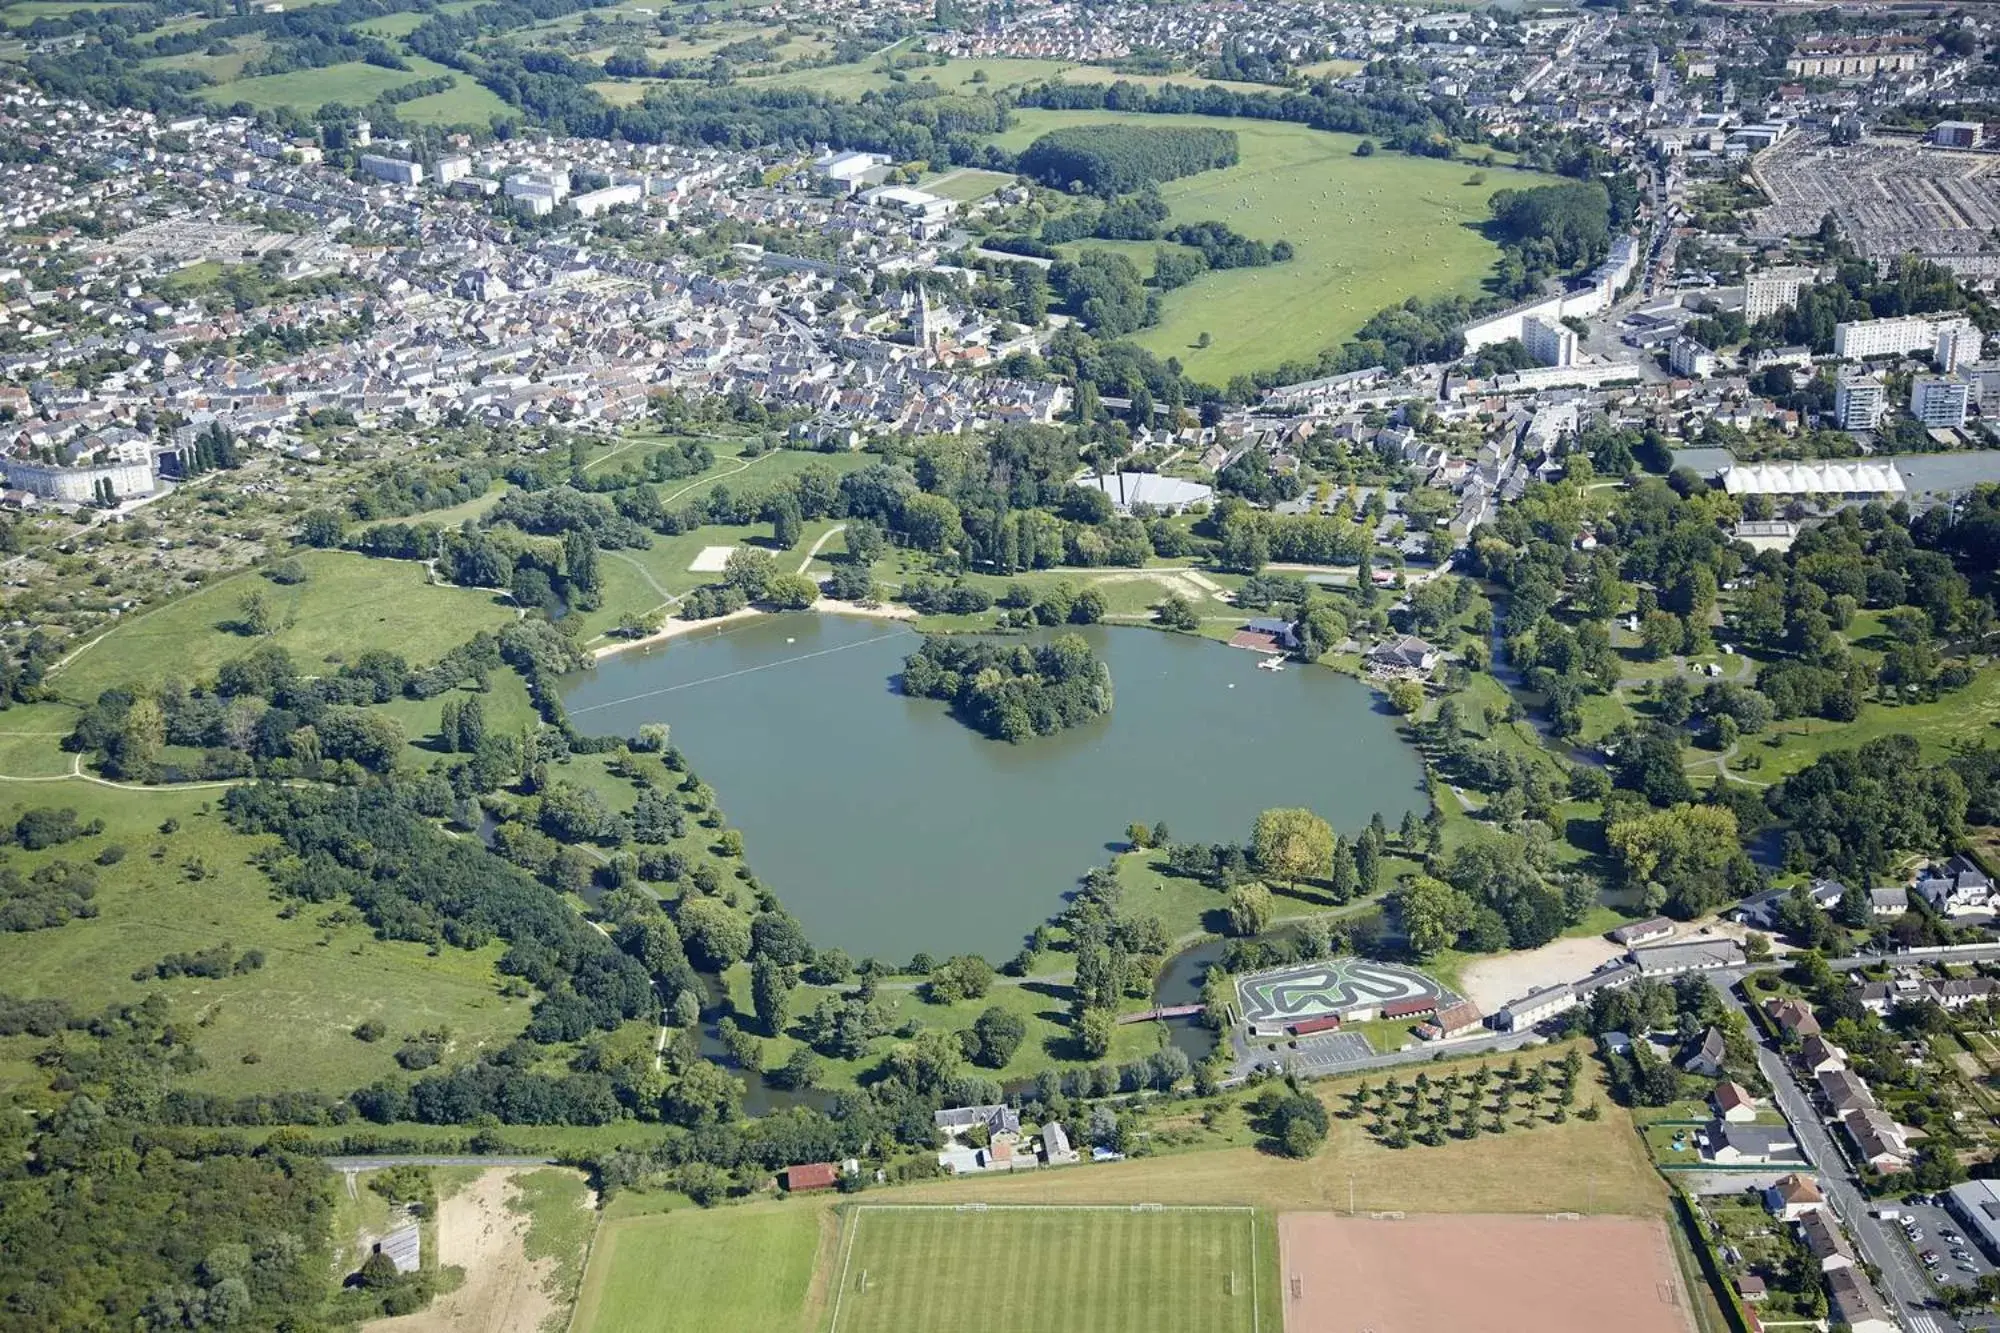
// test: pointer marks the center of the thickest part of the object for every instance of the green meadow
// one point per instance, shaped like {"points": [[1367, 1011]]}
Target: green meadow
{"points": [[1368, 231]]}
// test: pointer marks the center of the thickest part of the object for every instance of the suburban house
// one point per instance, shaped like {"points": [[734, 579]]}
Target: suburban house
{"points": [[1955, 886], [1708, 1055], [1793, 1016], [1733, 1102], [1851, 1300], [1888, 902], [1821, 1234], [1407, 656], [1643, 932], [1752, 1145], [1793, 1196], [1818, 1054], [1878, 1139], [1761, 909], [809, 1177], [1844, 1091], [1877, 997], [1266, 635], [996, 1120], [1958, 992], [1455, 1020], [1055, 1145]]}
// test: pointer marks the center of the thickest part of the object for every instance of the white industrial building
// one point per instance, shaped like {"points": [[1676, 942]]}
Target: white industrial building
{"points": [[1859, 401], [1851, 479], [849, 169], [395, 170], [1940, 401], [1861, 339], [917, 203]]}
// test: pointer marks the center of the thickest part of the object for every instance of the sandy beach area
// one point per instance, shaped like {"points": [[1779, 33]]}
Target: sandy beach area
{"points": [[825, 606], [1491, 982]]}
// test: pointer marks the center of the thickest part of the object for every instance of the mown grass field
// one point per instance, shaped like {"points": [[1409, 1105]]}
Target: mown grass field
{"points": [[734, 1270], [1368, 231], [287, 1024], [348, 603], [355, 83], [1022, 1270], [464, 103]]}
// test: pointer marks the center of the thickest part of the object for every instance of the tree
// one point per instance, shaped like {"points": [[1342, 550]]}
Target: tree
{"points": [[717, 935], [320, 528], [1093, 1033], [379, 1272], [997, 1035], [1292, 844], [1690, 850], [1176, 612], [771, 993], [1406, 696], [749, 569], [255, 615], [966, 977], [1433, 914], [790, 592], [1250, 909]]}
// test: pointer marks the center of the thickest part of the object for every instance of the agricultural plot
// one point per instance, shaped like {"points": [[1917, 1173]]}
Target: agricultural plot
{"points": [[1132, 1269], [1368, 231]]}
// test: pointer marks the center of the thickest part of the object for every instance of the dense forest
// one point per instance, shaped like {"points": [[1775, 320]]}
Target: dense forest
{"points": [[1120, 159], [1012, 691]]}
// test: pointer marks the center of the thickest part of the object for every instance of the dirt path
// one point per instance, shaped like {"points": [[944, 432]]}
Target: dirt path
{"points": [[502, 1292], [824, 538]]}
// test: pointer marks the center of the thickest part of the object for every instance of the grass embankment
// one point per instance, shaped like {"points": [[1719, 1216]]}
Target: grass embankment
{"points": [[288, 1024], [1369, 232]]}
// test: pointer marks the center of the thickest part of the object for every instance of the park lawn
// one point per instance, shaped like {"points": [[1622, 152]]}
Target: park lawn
{"points": [[30, 740], [1109, 1270], [1968, 715], [967, 184], [223, 68], [349, 603], [1043, 1007], [393, 25], [466, 102], [354, 83], [747, 1269], [1579, 1166], [1369, 232], [505, 706], [287, 1024]]}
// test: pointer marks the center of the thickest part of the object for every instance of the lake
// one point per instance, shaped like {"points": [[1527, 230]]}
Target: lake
{"points": [[888, 827]]}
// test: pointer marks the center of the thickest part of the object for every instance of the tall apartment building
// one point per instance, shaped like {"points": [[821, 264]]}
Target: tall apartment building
{"points": [[1940, 400], [1859, 401], [1861, 339], [1549, 341], [1773, 290], [395, 170], [1957, 346], [1690, 358]]}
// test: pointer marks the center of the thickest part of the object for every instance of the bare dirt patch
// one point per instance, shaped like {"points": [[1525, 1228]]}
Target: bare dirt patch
{"points": [[711, 560], [1492, 982], [503, 1290], [1498, 1274]]}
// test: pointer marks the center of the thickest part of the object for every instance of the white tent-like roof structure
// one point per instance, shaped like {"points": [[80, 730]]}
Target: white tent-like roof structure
{"points": [[1836, 477]]}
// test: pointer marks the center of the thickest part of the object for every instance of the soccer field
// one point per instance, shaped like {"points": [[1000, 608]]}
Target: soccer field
{"points": [[1025, 1269]]}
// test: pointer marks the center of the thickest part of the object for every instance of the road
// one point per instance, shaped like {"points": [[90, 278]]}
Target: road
{"points": [[1903, 1282]]}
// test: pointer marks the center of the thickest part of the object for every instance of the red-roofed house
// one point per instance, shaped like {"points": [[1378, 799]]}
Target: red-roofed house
{"points": [[811, 1176]]}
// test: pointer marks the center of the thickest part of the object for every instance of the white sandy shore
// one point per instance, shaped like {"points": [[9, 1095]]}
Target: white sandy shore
{"points": [[675, 629]]}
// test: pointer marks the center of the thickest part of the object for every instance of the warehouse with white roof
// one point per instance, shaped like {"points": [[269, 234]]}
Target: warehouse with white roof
{"points": [[1853, 479]]}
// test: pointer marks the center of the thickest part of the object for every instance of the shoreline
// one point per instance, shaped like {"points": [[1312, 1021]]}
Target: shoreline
{"points": [[675, 629]]}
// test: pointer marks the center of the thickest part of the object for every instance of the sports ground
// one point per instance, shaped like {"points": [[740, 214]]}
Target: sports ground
{"points": [[1504, 1274], [1337, 986], [1021, 1269]]}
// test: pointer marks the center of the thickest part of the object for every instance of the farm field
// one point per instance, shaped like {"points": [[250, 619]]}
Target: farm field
{"points": [[347, 604], [1509, 1274], [355, 83], [732, 1270], [286, 1024], [1369, 233], [1111, 1270]]}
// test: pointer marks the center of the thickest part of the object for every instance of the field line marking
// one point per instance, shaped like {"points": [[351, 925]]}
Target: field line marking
{"points": [[846, 1258], [1255, 1325]]}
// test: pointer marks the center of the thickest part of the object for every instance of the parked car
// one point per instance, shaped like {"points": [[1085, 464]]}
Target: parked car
{"points": [[1930, 1258], [1967, 1268]]}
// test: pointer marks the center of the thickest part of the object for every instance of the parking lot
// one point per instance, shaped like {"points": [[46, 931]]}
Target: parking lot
{"points": [[1325, 1053], [1936, 1227]]}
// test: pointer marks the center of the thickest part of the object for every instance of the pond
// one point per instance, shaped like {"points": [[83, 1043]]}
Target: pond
{"points": [[888, 827]]}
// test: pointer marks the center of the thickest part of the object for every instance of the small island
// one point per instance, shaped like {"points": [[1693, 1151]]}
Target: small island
{"points": [[1011, 691]]}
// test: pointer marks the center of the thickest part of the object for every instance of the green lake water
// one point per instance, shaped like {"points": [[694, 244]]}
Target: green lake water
{"points": [[888, 827]]}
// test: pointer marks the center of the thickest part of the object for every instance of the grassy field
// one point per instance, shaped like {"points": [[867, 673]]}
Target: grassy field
{"points": [[464, 103], [967, 184], [347, 603], [734, 1270], [355, 83], [1023, 1270], [1369, 232], [287, 1024]]}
